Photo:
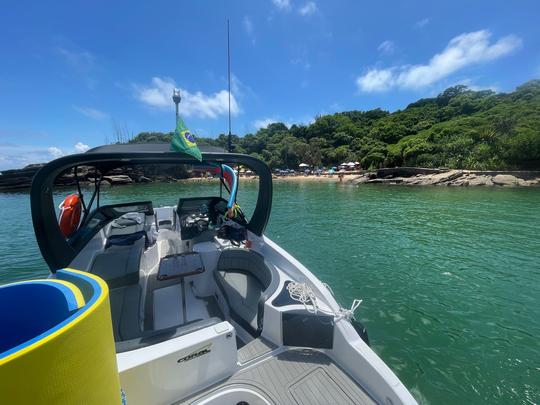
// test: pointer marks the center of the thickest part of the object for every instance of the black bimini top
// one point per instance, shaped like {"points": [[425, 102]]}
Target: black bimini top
{"points": [[56, 250], [148, 147]]}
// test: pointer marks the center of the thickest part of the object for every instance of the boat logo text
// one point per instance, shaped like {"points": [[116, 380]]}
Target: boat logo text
{"points": [[197, 353]]}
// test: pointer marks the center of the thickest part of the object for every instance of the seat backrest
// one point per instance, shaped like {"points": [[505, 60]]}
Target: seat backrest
{"points": [[165, 218], [119, 265], [241, 260], [246, 260]]}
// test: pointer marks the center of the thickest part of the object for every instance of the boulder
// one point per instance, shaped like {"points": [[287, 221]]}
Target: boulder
{"points": [[480, 180], [143, 179], [118, 179], [505, 180], [446, 177], [426, 180], [360, 180], [396, 180]]}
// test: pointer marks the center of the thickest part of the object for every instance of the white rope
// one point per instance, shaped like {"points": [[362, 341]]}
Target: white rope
{"points": [[303, 293], [329, 289]]}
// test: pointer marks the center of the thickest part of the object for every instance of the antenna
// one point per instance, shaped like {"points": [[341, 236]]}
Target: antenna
{"points": [[229, 140]]}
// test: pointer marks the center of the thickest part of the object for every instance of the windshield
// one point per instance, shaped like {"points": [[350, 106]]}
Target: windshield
{"points": [[106, 196]]}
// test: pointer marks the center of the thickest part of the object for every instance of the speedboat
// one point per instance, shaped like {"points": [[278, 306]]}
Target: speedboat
{"points": [[199, 305]]}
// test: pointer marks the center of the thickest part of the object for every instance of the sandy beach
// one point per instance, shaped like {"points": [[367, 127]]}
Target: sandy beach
{"points": [[289, 179]]}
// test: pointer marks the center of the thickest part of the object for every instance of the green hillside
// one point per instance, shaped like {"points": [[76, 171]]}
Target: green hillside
{"points": [[460, 128]]}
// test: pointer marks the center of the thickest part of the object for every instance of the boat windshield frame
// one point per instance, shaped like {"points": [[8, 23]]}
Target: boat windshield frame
{"points": [[55, 248]]}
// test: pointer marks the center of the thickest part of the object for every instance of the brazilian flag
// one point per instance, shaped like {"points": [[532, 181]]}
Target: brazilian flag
{"points": [[184, 141]]}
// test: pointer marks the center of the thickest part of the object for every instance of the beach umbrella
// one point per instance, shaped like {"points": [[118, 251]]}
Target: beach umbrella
{"points": [[303, 165]]}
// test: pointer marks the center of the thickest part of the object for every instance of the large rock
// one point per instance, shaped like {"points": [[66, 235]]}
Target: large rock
{"points": [[396, 180], [446, 177], [118, 179], [506, 180], [406, 171], [18, 178], [360, 180], [143, 179], [480, 180]]}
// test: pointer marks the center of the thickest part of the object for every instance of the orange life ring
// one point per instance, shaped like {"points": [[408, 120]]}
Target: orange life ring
{"points": [[70, 214]]}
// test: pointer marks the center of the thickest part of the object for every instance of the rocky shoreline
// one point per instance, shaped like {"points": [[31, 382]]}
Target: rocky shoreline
{"points": [[447, 177], [21, 179]]}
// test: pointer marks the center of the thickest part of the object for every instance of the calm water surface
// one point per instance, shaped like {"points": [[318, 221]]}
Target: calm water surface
{"points": [[450, 277]]}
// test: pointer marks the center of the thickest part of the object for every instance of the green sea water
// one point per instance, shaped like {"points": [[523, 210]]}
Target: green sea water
{"points": [[450, 277]]}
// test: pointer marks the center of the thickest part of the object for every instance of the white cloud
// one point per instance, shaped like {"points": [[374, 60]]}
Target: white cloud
{"points": [[81, 147], [376, 80], [78, 59], [307, 9], [476, 87], [248, 27], [386, 48], [240, 90], [17, 156], [422, 23], [55, 152], [13, 156], [462, 51], [282, 4], [159, 95], [82, 62], [91, 113], [263, 122]]}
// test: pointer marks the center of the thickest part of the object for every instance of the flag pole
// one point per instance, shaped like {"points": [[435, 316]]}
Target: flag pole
{"points": [[229, 140], [176, 98]]}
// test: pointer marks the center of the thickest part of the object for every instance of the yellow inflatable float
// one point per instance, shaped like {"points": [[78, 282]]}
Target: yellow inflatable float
{"points": [[56, 342]]}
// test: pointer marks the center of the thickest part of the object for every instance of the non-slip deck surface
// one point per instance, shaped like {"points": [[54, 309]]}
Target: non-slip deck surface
{"points": [[254, 349], [295, 377]]}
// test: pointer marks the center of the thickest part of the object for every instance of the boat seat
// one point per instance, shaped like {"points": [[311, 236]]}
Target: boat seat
{"points": [[164, 218], [128, 223], [119, 265], [246, 282], [125, 302], [127, 239]]}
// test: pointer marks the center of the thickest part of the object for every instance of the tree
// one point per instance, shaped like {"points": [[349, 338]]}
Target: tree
{"points": [[459, 128]]}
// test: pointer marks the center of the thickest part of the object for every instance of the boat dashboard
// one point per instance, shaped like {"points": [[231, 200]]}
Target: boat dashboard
{"points": [[191, 216]]}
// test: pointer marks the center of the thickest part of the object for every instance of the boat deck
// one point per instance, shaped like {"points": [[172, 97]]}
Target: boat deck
{"points": [[297, 376], [254, 349]]}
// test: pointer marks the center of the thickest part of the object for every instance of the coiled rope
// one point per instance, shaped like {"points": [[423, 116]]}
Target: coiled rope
{"points": [[303, 293]]}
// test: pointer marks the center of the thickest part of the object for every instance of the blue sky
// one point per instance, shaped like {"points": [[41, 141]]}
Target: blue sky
{"points": [[72, 70]]}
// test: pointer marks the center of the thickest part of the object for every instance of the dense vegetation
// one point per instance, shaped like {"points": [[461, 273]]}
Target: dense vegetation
{"points": [[460, 128]]}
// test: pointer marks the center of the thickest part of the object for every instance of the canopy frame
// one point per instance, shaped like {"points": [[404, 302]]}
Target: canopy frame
{"points": [[54, 247]]}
